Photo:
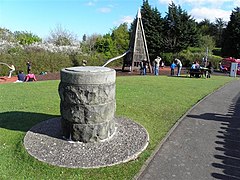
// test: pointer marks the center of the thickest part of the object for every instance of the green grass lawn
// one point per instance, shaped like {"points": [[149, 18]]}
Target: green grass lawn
{"points": [[156, 102]]}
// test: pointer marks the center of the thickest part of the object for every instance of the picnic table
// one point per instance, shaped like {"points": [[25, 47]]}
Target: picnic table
{"points": [[201, 72]]}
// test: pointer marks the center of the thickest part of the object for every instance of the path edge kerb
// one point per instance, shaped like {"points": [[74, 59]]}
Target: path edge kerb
{"points": [[147, 162]]}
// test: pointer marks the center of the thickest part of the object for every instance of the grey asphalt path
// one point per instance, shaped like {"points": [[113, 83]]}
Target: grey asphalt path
{"points": [[205, 144]]}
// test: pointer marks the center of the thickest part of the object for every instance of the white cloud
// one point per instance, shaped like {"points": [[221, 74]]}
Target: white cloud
{"points": [[208, 13], [104, 10], [197, 3], [205, 1], [206, 9], [237, 3], [91, 3], [125, 19], [165, 1]]}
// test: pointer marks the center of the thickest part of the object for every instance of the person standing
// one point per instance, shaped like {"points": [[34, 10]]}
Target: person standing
{"points": [[141, 67], [29, 67], [179, 65], [145, 67], [173, 65], [210, 70], [156, 65]]}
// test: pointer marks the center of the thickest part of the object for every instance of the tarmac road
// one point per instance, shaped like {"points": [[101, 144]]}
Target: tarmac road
{"points": [[205, 144]]}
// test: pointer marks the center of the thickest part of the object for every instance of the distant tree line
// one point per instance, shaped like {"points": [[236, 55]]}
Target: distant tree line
{"points": [[176, 34]]}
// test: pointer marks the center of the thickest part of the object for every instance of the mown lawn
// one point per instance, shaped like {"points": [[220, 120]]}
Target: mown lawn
{"points": [[154, 102]]}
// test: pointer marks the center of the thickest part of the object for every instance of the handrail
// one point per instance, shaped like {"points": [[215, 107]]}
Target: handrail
{"points": [[5, 64], [115, 58]]}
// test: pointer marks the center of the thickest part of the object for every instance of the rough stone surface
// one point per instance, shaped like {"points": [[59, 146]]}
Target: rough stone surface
{"points": [[87, 103], [44, 141]]}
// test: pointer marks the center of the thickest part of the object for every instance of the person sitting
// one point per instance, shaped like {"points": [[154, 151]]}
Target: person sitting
{"points": [[195, 69], [30, 77], [223, 69], [193, 65], [20, 76]]}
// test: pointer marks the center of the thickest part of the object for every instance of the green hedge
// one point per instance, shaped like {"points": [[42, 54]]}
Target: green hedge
{"points": [[53, 62], [46, 61]]}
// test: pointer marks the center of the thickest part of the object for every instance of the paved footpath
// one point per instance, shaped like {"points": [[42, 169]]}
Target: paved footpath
{"points": [[205, 144]]}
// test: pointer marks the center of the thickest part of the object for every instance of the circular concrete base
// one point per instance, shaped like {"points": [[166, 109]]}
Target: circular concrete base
{"points": [[44, 142]]}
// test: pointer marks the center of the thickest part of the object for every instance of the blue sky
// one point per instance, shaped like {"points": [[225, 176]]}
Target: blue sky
{"points": [[95, 16]]}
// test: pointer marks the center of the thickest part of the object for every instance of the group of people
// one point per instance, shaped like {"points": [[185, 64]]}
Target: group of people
{"points": [[156, 64], [21, 76], [208, 68], [176, 63]]}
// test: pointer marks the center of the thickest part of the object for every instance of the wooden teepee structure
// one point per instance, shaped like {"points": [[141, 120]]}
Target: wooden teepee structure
{"points": [[138, 50]]}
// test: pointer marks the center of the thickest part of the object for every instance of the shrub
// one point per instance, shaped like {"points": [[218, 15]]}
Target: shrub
{"points": [[215, 60], [217, 51], [168, 58]]}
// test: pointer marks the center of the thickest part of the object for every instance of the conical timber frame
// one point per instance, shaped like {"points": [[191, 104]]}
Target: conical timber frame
{"points": [[138, 50]]}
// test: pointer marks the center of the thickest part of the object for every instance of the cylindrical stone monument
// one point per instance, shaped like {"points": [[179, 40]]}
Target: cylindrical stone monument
{"points": [[87, 103]]}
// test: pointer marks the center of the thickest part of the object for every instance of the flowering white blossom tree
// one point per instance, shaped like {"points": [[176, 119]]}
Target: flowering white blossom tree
{"points": [[61, 37]]}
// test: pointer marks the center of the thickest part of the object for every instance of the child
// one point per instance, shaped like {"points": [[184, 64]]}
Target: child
{"points": [[173, 65]]}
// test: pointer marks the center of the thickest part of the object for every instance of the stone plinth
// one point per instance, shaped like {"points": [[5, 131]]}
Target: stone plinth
{"points": [[87, 103]]}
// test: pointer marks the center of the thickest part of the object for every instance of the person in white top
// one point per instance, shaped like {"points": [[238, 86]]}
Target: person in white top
{"points": [[179, 65], [156, 65]]}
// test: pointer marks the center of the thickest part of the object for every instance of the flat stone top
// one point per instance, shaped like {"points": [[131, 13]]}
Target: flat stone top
{"points": [[88, 75], [91, 69]]}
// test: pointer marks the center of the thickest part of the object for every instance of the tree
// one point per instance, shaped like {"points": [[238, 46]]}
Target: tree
{"points": [[106, 46], [26, 38], [231, 36], [214, 30], [219, 25], [120, 36], [84, 38], [7, 35], [206, 28], [180, 30], [153, 28], [61, 37], [88, 43], [206, 42]]}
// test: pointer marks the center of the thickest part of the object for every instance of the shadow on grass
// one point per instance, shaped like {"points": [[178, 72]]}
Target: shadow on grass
{"points": [[182, 76], [228, 141], [21, 121]]}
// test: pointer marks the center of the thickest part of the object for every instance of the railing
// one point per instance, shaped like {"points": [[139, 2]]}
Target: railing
{"points": [[115, 58]]}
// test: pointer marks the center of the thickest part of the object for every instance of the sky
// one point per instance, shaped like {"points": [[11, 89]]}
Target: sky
{"points": [[89, 17]]}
